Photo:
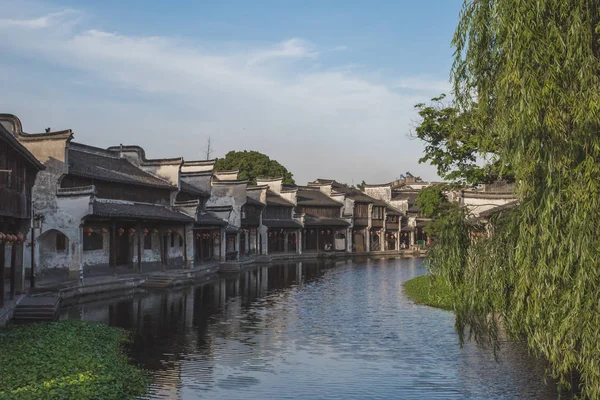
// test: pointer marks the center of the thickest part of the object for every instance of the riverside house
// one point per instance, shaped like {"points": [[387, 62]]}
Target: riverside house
{"points": [[368, 217], [18, 169], [325, 226], [103, 211], [283, 225]]}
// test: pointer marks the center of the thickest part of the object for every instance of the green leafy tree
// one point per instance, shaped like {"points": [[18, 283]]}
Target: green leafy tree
{"points": [[455, 146], [361, 186], [528, 72], [252, 164], [432, 202]]}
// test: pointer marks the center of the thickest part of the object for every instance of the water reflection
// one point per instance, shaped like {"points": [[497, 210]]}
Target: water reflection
{"points": [[310, 330]]}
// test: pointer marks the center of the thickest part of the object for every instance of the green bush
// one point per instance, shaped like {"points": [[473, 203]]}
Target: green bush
{"points": [[67, 360], [429, 290]]}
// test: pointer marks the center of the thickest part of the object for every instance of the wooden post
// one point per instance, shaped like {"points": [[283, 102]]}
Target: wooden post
{"points": [[113, 246], [318, 240], [2, 265], [201, 242], [139, 248], [32, 268], [185, 257], [13, 269]]}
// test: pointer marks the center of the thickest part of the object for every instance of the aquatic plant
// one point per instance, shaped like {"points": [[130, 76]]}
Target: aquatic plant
{"points": [[67, 360]]}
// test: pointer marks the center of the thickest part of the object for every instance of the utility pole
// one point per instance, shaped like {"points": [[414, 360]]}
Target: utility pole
{"points": [[208, 149]]}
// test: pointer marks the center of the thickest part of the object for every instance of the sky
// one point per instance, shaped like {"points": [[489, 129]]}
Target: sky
{"points": [[327, 88]]}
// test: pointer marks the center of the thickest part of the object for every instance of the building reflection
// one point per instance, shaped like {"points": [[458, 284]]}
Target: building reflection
{"points": [[179, 328]]}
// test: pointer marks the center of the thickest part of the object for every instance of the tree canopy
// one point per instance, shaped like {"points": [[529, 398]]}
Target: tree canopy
{"points": [[252, 164], [460, 152], [528, 73], [431, 201]]}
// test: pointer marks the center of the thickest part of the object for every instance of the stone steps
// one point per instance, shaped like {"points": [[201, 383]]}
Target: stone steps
{"points": [[158, 282], [38, 308]]}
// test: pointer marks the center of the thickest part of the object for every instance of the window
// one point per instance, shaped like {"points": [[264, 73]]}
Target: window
{"points": [[148, 242], [377, 212], [61, 242], [93, 241]]}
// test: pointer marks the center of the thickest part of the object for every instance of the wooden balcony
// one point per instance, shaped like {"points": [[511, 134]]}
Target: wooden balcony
{"points": [[361, 221], [377, 223], [14, 203], [391, 226], [251, 220]]}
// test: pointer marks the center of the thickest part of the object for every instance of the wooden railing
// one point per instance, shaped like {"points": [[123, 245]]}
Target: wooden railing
{"points": [[391, 225]]}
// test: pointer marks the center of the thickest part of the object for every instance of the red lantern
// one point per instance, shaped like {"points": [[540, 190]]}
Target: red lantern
{"points": [[121, 231], [328, 231], [155, 231], [131, 231], [89, 231], [20, 238], [322, 232], [145, 232], [104, 230], [2, 236], [169, 232]]}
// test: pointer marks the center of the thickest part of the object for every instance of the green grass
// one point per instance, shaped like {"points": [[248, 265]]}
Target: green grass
{"points": [[431, 292], [67, 360]]}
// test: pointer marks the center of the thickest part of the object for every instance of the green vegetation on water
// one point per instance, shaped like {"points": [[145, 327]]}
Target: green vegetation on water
{"points": [[428, 290], [67, 360]]}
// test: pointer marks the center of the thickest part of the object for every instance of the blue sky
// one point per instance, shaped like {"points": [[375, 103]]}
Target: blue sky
{"points": [[325, 87]]}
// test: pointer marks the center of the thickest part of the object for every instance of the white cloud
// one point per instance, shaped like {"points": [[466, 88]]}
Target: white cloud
{"points": [[290, 49], [331, 122]]}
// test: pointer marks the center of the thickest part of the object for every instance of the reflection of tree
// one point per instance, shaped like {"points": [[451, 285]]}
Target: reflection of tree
{"points": [[176, 332]]}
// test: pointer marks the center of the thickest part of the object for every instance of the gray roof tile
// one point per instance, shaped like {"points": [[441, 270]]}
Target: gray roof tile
{"points": [[138, 211], [107, 167]]}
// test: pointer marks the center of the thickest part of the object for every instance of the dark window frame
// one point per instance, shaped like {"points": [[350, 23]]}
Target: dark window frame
{"points": [[61, 242], [148, 242], [93, 241]]}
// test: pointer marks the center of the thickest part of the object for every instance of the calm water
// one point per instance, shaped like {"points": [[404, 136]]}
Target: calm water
{"points": [[311, 331]]}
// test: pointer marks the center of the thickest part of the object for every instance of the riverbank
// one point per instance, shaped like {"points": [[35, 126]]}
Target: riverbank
{"points": [[67, 359], [430, 292]]}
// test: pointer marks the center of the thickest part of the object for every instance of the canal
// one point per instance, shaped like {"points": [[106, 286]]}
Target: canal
{"points": [[340, 330]]}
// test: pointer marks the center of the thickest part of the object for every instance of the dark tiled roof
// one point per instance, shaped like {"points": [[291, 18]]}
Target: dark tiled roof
{"points": [[497, 210], [422, 224], [19, 148], [281, 223], [392, 211], [318, 221], [314, 197], [107, 167], [138, 211], [187, 188], [413, 209], [253, 202], [411, 195], [353, 193], [274, 199], [206, 219]]}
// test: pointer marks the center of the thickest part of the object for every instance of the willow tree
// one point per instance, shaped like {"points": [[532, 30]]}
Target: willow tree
{"points": [[528, 71]]}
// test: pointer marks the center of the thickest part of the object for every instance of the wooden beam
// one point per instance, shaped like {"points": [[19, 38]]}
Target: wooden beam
{"points": [[2, 265], [13, 269]]}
